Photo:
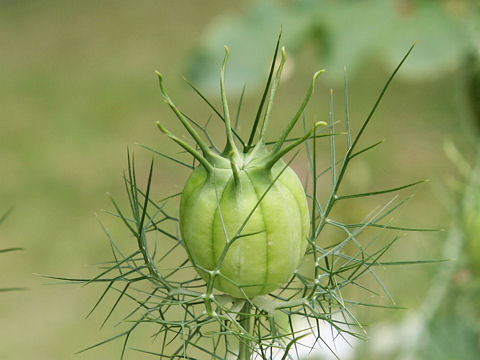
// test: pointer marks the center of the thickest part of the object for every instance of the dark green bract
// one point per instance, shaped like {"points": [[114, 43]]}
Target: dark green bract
{"points": [[244, 217]]}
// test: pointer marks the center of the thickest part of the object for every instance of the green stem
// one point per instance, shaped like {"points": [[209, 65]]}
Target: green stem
{"points": [[230, 146], [276, 155], [264, 97], [198, 140], [245, 350], [186, 147], [299, 113], [276, 82]]}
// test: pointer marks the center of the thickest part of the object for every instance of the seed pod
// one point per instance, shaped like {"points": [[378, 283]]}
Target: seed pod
{"points": [[244, 217], [264, 252]]}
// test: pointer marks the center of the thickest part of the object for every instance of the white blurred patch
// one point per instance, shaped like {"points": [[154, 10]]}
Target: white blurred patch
{"points": [[387, 339], [329, 346]]}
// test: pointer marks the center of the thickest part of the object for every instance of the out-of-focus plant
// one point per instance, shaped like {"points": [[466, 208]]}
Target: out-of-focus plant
{"points": [[7, 250], [190, 318], [454, 331], [343, 33], [447, 324]]}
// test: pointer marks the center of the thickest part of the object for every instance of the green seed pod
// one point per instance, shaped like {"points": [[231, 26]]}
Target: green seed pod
{"points": [[244, 217], [215, 206]]}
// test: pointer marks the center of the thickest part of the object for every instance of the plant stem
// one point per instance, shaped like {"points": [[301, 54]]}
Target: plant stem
{"points": [[245, 351]]}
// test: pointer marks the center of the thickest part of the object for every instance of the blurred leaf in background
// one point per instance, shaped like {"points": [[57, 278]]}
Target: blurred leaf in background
{"points": [[342, 33]]}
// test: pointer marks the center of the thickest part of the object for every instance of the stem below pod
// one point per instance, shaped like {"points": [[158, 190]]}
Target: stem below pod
{"points": [[245, 351]]}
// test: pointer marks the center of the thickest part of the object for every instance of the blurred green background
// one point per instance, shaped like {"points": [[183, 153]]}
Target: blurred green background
{"points": [[77, 89]]}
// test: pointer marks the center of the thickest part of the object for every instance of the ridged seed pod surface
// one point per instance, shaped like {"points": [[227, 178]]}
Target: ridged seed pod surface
{"points": [[213, 203]]}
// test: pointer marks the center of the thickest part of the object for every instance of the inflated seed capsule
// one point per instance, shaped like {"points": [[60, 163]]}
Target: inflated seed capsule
{"points": [[244, 216]]}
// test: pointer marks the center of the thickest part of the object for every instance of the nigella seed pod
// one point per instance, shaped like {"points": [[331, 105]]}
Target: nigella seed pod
{"points": [[244, 217], [266, 250]]}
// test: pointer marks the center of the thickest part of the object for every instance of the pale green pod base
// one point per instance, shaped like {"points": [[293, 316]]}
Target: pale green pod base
{"points": [[259, 263]]}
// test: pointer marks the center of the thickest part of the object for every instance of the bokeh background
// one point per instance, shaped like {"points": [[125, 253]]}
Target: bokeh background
{"points": [[77, 89]]}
